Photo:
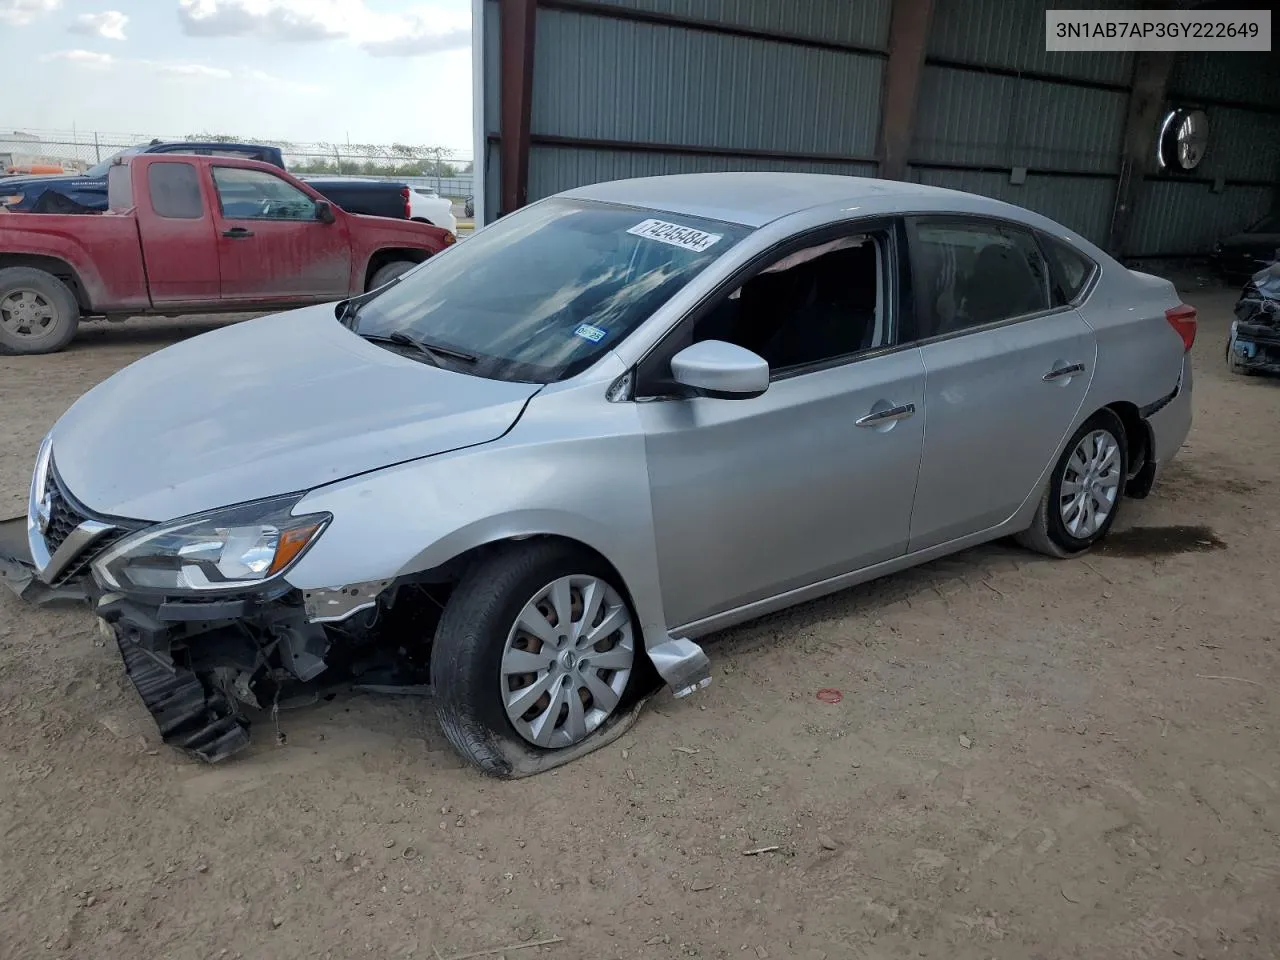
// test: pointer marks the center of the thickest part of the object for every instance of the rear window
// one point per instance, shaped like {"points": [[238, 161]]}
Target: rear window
{"points": [[1071, 270], [175, 191]]}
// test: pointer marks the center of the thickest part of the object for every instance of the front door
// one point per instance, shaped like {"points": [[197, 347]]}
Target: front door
{"points": [[1006, 373], [812, 479], [270, 244]]}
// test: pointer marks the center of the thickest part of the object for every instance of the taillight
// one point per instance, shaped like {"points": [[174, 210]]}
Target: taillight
{"points": [[1183, 320], [408, 214]]}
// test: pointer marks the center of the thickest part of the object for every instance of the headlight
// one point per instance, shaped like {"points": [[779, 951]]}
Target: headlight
{"points": [[227, 549]]}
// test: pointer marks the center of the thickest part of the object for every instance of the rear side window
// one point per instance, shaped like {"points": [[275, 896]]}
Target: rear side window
{"points": [[1070, 269], [970, 274], [175, 191]]}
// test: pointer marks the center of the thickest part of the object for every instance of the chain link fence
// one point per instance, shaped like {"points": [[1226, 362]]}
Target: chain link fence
{"points": [[439, 168]]}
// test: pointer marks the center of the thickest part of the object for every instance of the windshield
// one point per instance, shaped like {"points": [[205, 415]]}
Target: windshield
{"points": [[1269, 224], [103, 168], [542, 293]]}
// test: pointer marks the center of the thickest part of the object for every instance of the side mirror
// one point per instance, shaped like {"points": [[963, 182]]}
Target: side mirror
{"points": [[721, 370], [324, 211]]}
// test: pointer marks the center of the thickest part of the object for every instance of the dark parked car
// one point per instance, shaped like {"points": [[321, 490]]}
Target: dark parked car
{"points": [[1238, 257]]}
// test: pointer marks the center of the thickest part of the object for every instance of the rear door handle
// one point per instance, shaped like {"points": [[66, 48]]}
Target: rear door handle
{"points": [[237, 233], [1058, 373], [891, 415]]}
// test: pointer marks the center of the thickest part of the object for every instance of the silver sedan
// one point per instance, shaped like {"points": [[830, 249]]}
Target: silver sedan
{"points": [[540, 466]]}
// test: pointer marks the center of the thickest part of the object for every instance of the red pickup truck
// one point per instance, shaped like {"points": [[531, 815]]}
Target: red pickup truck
{"points": [[192, 234]]}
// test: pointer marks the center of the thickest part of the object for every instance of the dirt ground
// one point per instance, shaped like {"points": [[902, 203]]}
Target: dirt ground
{"points": [[1031, 759]]}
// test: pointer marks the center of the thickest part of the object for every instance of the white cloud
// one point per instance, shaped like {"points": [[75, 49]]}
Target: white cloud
{"points": [[195, 71], [180, 70], [109, 24], [85, 58], [420, 31], [21, 12]]}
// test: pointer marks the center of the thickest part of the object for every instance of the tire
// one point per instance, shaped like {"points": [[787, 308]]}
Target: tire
{"points": [[1049, 532], [388, 272], [467, 657], [38, 312]]}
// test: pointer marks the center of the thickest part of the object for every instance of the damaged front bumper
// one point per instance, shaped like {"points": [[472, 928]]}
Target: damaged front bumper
{"points": [[1254, 347], [201, 667]]}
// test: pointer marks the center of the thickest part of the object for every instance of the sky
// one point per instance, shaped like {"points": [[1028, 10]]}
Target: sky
{"points": [[367, 71]]}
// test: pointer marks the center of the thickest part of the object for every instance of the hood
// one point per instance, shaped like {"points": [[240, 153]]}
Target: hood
{"points": [[265, 407]]}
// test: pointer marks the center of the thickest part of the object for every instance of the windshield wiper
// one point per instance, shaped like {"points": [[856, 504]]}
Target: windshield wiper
{"points": [[434, 349], [435, 354]]}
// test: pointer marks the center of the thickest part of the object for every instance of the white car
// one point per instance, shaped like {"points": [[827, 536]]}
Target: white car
{"points": [[426, 204]]}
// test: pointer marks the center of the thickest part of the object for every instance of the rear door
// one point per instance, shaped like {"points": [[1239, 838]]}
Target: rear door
{"points": [[271, 246], [1006, 372], [179, 242]]}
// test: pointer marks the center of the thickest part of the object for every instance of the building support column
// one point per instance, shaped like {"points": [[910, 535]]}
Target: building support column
{"points": [[908, 38], [1141, 128], [516, 43]]}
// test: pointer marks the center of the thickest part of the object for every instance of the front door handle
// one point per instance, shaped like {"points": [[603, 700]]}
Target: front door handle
{"points": [[237, 233], [1058, 373], [890, 415]]}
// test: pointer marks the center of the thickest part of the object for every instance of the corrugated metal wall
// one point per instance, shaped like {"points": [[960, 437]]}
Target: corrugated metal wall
{"points": [[1235, 183], [621, 89]]}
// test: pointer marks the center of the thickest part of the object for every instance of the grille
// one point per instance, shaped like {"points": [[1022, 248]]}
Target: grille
{"points": [[64, 516]]}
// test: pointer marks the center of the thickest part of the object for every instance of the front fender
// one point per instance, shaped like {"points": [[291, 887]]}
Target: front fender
{"points": [[574, 466]]}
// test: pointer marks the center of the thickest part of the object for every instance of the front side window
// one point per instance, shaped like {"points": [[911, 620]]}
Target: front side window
{"points": [[815, 305], [257, 195], [175, 191], [970, 274], [542, 293]]}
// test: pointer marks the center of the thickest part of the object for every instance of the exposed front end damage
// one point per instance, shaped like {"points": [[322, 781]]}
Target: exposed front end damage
{"points": [[204, 669], [1253, 345], [208, 670]]}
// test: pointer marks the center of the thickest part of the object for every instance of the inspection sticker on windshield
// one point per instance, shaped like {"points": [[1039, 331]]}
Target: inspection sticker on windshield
{"points": [[686, 238], [587, 332]]}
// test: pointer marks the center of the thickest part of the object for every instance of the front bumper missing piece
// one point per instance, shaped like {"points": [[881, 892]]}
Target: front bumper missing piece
{"points": [[191, 715], [195, 703]]}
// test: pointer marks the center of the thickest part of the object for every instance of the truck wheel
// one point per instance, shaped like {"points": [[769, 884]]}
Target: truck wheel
{"points": [[389, 272], [536, 650], [38, 312]]}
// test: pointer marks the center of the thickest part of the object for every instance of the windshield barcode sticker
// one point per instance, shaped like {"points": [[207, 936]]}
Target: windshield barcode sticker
{"points": [[686, 238], [587, 332]]}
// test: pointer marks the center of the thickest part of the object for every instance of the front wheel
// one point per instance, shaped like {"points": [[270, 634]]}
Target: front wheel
{"points": [[1084, 492], [38, 312], [536, 650]]}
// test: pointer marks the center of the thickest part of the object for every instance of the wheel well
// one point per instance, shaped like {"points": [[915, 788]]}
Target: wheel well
{"points": [[1136, 432], [451, 571], [382, 257], [59, 268]]}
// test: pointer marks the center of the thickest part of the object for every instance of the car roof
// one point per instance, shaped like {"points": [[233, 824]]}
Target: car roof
{"points": [[754, 199]]}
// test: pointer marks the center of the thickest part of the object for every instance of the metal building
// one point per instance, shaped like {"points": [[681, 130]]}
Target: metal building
{"points": [[957, 93]]}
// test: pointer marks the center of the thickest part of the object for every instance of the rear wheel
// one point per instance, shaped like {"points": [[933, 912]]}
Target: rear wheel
{"points": [[536, 650], [388, 272], [38, 312], [1084, 492]]}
